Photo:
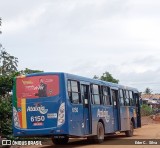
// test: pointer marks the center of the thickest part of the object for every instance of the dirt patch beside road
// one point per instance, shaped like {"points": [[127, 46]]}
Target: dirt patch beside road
{"points": [[148, 120]]}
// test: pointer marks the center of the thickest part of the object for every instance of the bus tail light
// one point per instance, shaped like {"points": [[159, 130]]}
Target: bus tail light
{"points": [[61, 115], [16, 118]]}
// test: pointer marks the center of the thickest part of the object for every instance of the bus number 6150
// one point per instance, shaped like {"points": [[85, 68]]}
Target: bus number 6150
{"points": [[37, 118]]}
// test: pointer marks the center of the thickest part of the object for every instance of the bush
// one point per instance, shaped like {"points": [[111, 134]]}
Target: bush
{"points": [[146, 110], [6, 115]]}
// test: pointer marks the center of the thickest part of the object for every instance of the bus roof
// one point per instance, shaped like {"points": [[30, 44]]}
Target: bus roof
{"points": [[81, 78]]}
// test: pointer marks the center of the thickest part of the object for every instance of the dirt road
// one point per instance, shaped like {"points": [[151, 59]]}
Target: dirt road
{"points": [[150, 130]]}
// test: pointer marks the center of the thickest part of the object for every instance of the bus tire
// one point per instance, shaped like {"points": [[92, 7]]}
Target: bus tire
{"points": [[99, 138], [60, 141], [130, 132]]}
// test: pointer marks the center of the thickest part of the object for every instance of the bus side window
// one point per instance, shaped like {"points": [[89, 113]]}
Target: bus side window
{"points": [[121, 95], [114, 98], [132, 103], [137, 101], [84, 94], [126, 98], [74, 91], [106, 95], [69, 89], [95, 91]]}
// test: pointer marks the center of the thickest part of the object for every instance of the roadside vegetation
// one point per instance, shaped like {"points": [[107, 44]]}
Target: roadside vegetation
{"points": [[8, 70], [146, 110]]}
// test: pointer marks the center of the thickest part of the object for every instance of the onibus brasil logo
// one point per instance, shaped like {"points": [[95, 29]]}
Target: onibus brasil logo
{"points": [[36, 108]]}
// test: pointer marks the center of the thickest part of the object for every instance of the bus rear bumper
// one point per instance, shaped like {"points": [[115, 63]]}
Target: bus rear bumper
{"points": [[38, 132]]}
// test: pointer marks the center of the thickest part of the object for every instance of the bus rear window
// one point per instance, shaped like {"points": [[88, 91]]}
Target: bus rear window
{"points": [[37, 86]]}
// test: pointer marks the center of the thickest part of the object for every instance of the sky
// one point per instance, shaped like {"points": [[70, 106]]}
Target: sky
{"points": [[86, 37]]}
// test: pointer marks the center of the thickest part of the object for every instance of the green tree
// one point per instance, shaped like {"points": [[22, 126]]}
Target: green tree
{"points": [[6, 114], [107, 77], [8, 69], [146, 110], [6, 103], [148, 91], [95, 77], [6, 83], [29, 71], [8, 63]]}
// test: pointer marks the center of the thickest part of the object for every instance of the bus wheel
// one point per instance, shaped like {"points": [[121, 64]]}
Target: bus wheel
{"points": [[99, 138], [60, 140], [130, 132]]}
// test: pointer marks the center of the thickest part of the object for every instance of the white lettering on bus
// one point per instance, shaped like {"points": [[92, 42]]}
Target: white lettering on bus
{"points": [[41, 109], [103, 114], [32, 87]]}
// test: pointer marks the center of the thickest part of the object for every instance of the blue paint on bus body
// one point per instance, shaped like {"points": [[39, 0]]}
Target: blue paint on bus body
{"points": [[80, 120]]}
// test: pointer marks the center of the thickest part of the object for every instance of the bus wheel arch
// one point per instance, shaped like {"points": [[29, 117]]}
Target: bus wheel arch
{"points": [[129, 133], [133, 121], [99, 138], [100, 120]]}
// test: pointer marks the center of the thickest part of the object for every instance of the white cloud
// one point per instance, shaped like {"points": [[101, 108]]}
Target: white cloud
{"points": [[86, 37], [144, 29], [23, 21]]}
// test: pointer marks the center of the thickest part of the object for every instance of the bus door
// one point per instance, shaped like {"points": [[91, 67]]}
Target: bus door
{"points": [[136, 95], [86, 125], [116, 114]]}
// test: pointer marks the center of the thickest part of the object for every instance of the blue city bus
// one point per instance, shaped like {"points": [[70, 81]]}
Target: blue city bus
{"points": [[62, 106]]}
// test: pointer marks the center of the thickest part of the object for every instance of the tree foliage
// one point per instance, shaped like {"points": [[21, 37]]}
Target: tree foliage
{"points": [[6, 114], [146, 110], [107, 77], [6, 103], [95, 77], [8, 69], [6, 83], [147, 91], [29, 71], [8, 63]]}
